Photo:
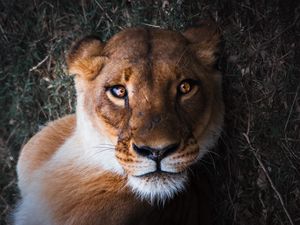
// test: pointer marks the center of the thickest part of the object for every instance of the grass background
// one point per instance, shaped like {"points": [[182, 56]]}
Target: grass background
{"points": [[255, 170]]}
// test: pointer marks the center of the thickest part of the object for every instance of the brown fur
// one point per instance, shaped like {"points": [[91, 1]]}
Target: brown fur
{"points": [[145, 54], [151, 63]]}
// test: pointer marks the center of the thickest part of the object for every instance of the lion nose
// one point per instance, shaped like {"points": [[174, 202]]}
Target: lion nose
{"points": [[155, 154]]}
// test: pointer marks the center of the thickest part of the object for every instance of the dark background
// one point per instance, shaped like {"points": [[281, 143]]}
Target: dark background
{"points": [[256, 168]]}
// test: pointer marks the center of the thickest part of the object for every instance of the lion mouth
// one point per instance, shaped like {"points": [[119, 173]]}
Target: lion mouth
{"points": [[158, 173]]}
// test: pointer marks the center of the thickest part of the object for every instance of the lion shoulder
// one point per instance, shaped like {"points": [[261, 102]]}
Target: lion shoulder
{"points": [[42, 146]]}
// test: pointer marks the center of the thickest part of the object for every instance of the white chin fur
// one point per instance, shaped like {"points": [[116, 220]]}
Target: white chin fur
{"points": [[157, 189]]}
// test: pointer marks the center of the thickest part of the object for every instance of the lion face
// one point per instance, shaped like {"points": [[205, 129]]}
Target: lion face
{"points": [[155, 94]]}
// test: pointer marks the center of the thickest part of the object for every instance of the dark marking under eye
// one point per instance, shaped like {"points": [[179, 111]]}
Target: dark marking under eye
{"points": [[116, 122]]}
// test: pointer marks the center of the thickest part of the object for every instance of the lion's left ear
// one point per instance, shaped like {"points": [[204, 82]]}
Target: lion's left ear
{"points": [[85, 58], [204, 39]]}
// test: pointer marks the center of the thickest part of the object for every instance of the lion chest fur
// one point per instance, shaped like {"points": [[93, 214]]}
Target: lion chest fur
{"points": [[149, 106]]}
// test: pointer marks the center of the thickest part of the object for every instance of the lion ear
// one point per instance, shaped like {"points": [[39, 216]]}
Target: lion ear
{"points": [[204, 40], [85, 59]]}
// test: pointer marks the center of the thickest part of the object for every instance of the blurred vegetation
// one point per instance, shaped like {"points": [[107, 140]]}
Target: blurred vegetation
{"points": [[256, 168]]}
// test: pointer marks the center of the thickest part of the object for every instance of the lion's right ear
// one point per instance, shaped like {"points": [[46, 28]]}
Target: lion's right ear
{"points": [[85, 59]]}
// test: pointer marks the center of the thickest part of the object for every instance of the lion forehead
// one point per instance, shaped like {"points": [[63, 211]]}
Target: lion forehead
{"points": [[138, 43]]}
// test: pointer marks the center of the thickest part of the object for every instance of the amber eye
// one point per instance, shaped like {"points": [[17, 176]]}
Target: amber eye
{"points": [[185, 87], [118, 91]]}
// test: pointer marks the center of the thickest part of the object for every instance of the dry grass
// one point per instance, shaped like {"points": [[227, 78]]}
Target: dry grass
{"points": [[255, 171]]}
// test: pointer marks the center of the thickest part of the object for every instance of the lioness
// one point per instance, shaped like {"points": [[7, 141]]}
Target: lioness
{"points": [[149, 106]]}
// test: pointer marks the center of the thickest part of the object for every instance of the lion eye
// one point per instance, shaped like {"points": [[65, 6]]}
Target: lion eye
{"points": [[185, 87], [118, 91]]}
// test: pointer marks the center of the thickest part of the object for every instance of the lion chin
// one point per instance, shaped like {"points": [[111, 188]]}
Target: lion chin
{"points": [[157, 187]]}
